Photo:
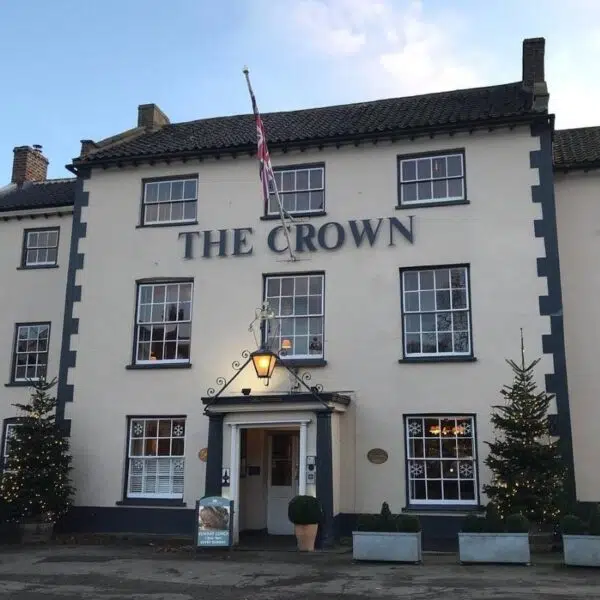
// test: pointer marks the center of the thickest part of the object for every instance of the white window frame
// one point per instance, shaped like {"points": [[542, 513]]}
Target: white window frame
{"points": [[442, 156], [26, 353], [37, 248], [281, 333], [419, 462], [8, 432], [437, 310], [286, 195], [141, 321], [175, 461], [184, 201]]}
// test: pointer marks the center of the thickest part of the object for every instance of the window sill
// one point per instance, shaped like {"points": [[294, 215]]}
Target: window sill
{"points": [[438, 359], [425, 509], [303, 362], [412, 205], [158, 225], [35, 267], [293, 215], [159, 366], [19, 384], [151, 502]]}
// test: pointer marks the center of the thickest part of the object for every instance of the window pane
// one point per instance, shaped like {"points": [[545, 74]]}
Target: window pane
{"points": [[177, 190], [177, 211], [303, 201], [316, 285], [440, 189], [439, 167], [151, 214], [411, 280], [428, 322], [442, 300], [301, 345], [317, 200], [302, 180], [273, 286], [316, 178], [413, 343], [444, 342], [424, 190], [287, 286], [189, 210], [427, 300], [424, 168], [411, 301], [459, 299], [189, 189], [426, 280], [461, 342], [409, 192], [151, 192], [429, 343], [301, 305], [408, 170], [454, 165], [455, 188], [301, 326], [164, 191], [412, 323], [288, 181]]}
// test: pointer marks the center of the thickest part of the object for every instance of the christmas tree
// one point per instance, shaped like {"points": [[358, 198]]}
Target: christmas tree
{"points": [[36, 481], [527, 471]]}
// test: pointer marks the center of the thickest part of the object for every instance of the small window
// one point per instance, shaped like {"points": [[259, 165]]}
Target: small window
{"points": [[301, 190], [298, 303], [30, 360], [156, 458], [40, 248], [441, 459], [9, 431], [432, 179], [164, 323], [436, 312], [173, 201]]}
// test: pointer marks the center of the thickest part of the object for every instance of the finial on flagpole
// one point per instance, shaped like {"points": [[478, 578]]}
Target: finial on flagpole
{"points": [[245, 70]]}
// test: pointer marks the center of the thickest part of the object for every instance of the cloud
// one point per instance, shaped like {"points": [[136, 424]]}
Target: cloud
{"points": [[389, 48]]}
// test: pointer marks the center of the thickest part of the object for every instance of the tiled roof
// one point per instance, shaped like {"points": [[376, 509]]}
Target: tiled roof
{"points": [[331, 123], [51, 193], [577, 148]]}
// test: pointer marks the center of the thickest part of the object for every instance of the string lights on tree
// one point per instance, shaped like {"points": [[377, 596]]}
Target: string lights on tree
{"points": [[527, 470], [36, 480]]}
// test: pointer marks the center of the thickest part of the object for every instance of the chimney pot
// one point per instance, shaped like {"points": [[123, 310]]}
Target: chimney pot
{"points": [[29, 164], [151, 117]]}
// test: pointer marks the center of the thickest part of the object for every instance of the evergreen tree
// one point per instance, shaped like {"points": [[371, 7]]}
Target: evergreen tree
{"points": [[36, 481], [527, 471]]}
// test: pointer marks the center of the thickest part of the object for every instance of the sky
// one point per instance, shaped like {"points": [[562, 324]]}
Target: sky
{"points": [[73, 70]]}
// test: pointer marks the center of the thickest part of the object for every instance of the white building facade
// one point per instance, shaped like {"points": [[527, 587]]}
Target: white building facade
{"points": [[424, 238]]}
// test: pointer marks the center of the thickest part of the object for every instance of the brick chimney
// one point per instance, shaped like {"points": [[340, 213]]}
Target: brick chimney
{"points": [[29, 164], [533, 72], [151, 117]]}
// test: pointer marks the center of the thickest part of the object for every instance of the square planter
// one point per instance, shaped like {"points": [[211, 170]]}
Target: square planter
{"points": [[387, 546], [581, 550], [494, 548]]}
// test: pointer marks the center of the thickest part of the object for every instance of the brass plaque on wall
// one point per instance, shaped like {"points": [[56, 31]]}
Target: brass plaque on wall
{"points": [[377, 456], [203, 454]]}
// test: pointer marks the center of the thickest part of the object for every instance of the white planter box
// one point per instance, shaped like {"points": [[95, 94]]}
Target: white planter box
{"points": [[494, 548], [581, 550], [387, 546]]}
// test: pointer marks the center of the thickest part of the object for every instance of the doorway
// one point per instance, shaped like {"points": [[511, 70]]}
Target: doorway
{"points": [[282, 480]]}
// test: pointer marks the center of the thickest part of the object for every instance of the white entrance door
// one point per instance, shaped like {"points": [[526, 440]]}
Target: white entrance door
{"points": [[283, 480]]}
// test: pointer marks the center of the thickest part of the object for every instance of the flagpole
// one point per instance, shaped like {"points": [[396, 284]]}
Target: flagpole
{"points": [[270, 170]]}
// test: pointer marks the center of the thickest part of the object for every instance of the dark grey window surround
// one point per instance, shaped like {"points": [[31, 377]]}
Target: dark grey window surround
{"points": [[125, 501], [267, 216], [436, 357], [469, 504], [299, 362], [13, 382], [432, 202], [177, 223], [158, 365], [24, 250]]}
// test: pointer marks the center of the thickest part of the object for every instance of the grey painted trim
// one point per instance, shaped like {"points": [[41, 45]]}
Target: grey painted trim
{"points": [[285, 398], [68, 357], [325, 477], [551, 305], [214, 462]]}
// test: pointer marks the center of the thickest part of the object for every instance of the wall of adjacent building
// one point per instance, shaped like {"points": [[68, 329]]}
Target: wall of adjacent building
{"points": [[494, 234], [29, 296], [578, 216]]}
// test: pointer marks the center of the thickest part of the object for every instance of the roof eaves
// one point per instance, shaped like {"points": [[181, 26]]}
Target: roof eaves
{"points": [[409, 132]]}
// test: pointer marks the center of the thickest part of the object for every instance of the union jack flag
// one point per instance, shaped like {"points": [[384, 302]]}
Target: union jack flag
{"points": [[265, 169]]}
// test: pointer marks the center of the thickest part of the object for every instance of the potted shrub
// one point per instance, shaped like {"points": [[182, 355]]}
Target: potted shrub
{"points": [[36, 482], [387, 537], [581, 540], [491, 539], [305, 513]]}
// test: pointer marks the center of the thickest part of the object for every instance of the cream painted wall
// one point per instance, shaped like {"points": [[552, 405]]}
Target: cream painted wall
{"points": [[578, 216], [30, 295], [494, 234]]}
